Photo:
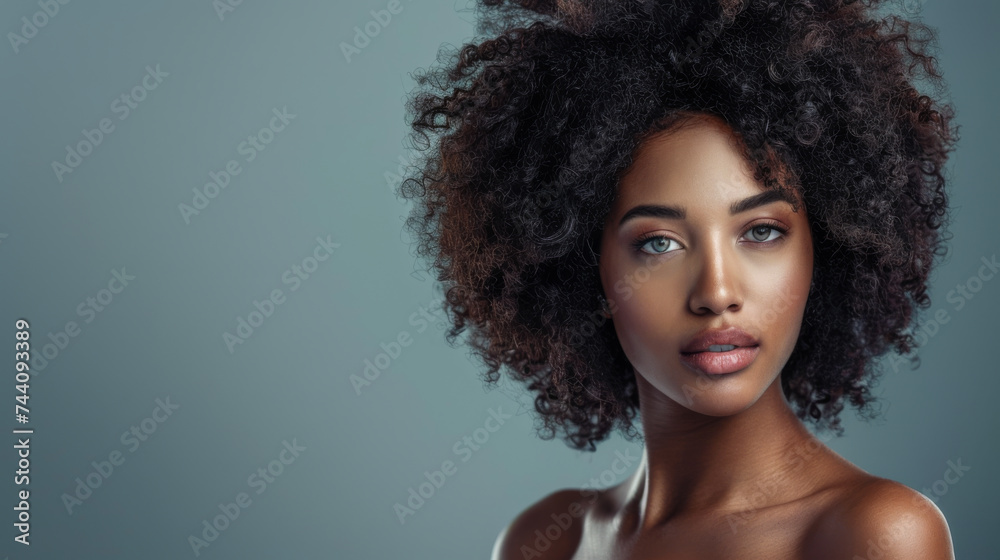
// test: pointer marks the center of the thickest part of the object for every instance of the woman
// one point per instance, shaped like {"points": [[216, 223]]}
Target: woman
{"points": [[714, 216]]}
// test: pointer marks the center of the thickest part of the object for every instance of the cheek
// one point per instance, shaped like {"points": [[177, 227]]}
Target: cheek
{"points": [[783, 300], [638, 337], [647, 318]]}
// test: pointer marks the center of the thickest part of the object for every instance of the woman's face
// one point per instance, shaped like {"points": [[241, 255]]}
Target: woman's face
{"points": [[687, 247]]}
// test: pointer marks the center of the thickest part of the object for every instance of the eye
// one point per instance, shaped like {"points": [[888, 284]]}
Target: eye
{"points": [[659, 243], [761, 233]]}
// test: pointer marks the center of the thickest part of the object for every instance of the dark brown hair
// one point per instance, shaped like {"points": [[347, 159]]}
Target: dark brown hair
{"points": [[527, 131]]}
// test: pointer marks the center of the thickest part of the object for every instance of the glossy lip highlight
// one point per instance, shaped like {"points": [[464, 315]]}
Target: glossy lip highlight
{"points": [[695, 353], [716, 363]]}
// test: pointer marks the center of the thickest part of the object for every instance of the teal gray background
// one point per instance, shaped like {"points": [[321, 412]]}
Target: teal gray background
{"points": [[324, 175]]}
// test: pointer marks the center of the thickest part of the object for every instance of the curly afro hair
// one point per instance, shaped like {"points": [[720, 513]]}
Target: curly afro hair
{"points": [[527, 132]]}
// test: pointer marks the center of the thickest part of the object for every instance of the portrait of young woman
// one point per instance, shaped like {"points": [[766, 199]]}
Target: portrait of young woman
{"points": [[698, 224]]}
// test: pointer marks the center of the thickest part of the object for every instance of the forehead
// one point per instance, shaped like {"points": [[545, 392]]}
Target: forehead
{"points": [[701, 156]]}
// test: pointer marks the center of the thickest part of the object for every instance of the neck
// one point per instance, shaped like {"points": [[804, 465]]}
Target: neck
{"points": [[693, 463]]}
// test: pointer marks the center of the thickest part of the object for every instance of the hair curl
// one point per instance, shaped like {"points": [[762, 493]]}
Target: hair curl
{"points": [[533, 126]]}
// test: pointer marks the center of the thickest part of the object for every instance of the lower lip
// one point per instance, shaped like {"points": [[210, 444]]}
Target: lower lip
{"points": [[715, 363]]}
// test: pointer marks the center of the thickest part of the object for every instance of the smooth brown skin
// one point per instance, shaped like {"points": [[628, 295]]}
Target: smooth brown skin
{"points": [[727, 471]]}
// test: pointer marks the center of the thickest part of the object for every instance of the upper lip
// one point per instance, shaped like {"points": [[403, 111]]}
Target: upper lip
{"points": [[729, 335]]}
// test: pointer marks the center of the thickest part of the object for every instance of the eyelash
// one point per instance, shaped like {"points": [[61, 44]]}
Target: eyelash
{"points": [[642, 240]]}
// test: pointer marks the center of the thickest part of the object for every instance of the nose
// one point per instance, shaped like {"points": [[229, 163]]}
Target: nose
{"points": [[717, 280]]}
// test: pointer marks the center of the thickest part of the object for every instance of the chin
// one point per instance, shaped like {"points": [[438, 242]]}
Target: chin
{"points": [[714, 395], [719, 406]]}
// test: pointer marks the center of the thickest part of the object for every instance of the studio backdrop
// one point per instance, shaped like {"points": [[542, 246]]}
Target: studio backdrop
{"points": [[234, 351]]}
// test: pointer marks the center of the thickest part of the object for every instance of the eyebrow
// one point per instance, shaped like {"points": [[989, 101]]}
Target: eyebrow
{"points": [[679, 212]]}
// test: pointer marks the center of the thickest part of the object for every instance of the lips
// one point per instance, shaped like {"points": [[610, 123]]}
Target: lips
{"points": [[696, 353], [730, 335], [715, 363]]}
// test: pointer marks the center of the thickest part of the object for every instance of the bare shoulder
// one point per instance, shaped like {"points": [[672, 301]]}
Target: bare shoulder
{"points": [[549, 529], [880, 518]]}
